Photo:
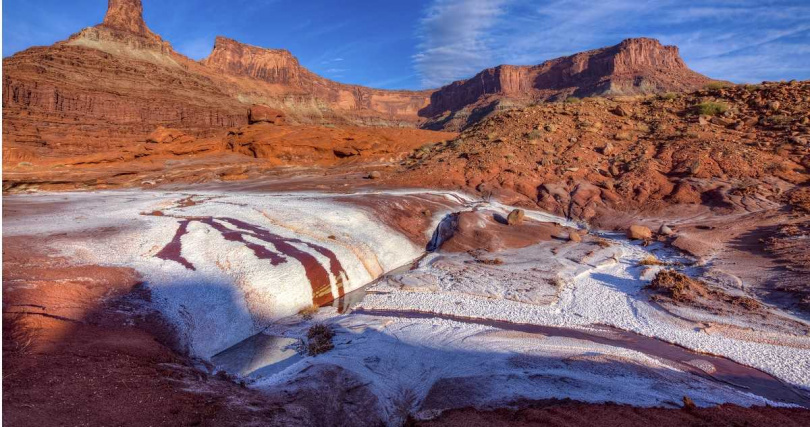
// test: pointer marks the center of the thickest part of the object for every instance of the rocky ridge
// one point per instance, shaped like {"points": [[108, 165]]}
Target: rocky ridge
{"points": [[634, 66]]}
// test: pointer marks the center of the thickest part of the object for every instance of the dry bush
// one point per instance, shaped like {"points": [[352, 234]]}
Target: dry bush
{"points": [[18, 337], [711, 108], [319, 339], [308, 312], [678, 286], [717, 85], [652, 260]]}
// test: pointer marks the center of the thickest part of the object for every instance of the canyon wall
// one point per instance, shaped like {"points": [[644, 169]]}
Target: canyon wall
{"points": [[109, 86], [635, 66]]}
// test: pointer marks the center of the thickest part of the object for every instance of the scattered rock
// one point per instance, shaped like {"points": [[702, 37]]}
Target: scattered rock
{"points": [[515, 217], [375, 175], [665, 230], [639, 232], [622, 111], [573, 236]]}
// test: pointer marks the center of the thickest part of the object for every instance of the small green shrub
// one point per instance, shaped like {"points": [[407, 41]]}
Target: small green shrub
{"points": [[716, 85], [669, 96], [572, 100], [535, 134], [711, 108]]}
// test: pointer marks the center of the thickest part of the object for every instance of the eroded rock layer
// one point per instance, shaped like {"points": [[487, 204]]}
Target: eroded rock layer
{"points": [[113, 84]]}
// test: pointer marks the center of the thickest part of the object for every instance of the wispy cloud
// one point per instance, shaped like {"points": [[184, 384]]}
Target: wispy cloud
{"points": [[739, 40], [455, 39]]}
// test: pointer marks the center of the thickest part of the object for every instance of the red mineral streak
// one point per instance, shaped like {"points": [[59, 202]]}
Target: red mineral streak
{"points": [[316, 273]]}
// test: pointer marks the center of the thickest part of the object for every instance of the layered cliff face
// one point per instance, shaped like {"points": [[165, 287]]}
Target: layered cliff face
{"points": [[280, 68], [106, 88], [635, 66], [111, 85]]}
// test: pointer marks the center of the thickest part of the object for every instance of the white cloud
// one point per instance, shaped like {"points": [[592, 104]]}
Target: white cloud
{"points": [[454, 39]]}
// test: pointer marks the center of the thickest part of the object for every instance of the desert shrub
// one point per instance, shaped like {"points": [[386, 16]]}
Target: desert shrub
{"points": [[535, 134], [651, 260], [319, 339], [18, 338], [716, 85], [711, 108], [572, 100], [669, 96], [678, 286], [310, 311], [456, 143]]}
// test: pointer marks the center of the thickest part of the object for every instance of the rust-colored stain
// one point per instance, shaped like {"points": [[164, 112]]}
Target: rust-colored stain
{"points": [[285, 248]]}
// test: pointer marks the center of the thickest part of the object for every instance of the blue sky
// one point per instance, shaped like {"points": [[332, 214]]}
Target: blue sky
{"points": [[413, 44]]}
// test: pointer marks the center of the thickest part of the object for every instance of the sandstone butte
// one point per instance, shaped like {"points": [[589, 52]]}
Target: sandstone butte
{"points": [[111, 85]]}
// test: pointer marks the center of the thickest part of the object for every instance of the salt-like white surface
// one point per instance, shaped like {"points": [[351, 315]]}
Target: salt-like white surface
{"points": [[609, 295], [393, 355], [231, 294]]}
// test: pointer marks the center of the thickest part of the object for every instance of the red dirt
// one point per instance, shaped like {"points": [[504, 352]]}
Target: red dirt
{"points": [[98, 357], [570, 413]]}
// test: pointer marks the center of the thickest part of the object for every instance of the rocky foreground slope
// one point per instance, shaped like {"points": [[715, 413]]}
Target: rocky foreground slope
{"points": [[728, 165]]}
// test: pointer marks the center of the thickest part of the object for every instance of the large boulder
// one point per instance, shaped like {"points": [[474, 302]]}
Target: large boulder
{"points": [[265, 114], [639, 232], [515, 217]]}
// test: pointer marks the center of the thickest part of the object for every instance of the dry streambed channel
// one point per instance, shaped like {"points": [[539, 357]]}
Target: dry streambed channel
{"points": [[237, 274]]}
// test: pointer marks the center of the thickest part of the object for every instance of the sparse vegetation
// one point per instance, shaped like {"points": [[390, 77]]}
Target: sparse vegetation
{"points": [[18, 337], [652, 260], [678, 286], [669, 96], [319, 339], [572, 100], [534, 135], [711, 108], [716, 85], [308, 312]]}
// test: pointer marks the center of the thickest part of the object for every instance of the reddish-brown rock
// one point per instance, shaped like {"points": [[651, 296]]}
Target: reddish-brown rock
{"points": [[634, 66], [162, 135], [264, 114], [126, 15]]}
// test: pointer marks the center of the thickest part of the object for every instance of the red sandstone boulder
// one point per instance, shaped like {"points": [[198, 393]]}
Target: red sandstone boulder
{"points": [[515, 217], [265, 114], [639, 232]]}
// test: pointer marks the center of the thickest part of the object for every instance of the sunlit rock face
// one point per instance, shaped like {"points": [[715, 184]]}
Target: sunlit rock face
{"points": [[221, 267]]}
